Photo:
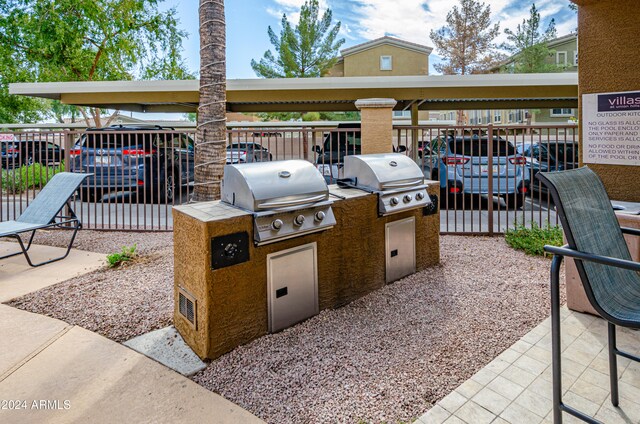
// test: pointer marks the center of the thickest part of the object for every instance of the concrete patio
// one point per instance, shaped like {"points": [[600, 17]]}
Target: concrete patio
{"points": [[59, 373], [17, 278], [516, 386]]}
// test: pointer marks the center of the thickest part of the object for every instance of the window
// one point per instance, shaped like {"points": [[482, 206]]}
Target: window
{"points": [[386, 63], [561, 58], [402, 114], [519, 115], [575, 58], [561, 112], [497, 116]]}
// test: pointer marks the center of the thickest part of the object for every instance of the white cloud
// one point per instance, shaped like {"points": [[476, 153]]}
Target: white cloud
{"points": [[412, 21], [292, 9]]}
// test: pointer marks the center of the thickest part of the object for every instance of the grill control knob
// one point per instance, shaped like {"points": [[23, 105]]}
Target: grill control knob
{"points": [[276, 224], [319, 216], [407, 198], [299, 220], [419, 195], [393, 201]]}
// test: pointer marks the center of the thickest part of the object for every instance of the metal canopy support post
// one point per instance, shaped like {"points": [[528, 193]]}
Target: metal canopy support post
{"points": [[414, 133]]}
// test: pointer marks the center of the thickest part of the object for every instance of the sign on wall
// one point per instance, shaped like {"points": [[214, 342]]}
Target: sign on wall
{"points": [[611, 128]]}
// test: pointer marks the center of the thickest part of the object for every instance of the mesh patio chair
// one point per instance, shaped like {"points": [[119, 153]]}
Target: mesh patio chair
{"points": [[45, 212], [609, 275]]}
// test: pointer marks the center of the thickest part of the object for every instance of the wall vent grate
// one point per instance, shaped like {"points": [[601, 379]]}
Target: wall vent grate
{"points": [[187, 306]]}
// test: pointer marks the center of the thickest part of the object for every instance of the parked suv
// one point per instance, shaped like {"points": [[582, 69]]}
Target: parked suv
{"points": [[549, 155], [243, 152], [461, 164], [345, 140], [16, 152], [148, 160]]}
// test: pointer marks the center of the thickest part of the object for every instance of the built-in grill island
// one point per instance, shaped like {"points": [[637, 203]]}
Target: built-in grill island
{"points": [[287, 198], [400, 186], [281, 245]]}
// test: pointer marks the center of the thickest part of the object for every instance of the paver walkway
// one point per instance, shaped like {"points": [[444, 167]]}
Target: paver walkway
{"points": [[516, 386]]}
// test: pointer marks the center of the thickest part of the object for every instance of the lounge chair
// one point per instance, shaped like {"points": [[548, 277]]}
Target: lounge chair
{"points": [[608, 273], [45, 212]]}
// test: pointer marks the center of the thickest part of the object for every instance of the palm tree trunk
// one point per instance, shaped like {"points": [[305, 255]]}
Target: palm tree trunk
{"points": [[210, 153]]}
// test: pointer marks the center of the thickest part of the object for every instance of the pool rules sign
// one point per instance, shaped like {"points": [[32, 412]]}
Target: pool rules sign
{"points": [[611, 128]]}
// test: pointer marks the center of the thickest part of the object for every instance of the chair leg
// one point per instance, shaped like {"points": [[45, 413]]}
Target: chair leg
{"points": [[555, 339], [556, 350], [24, 250], [613, 364]]}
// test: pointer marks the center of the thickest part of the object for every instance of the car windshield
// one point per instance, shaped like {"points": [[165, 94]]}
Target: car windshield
{"points": [[562, 152], [469, 146], [112, 140], [244, 146], [342, 141]]}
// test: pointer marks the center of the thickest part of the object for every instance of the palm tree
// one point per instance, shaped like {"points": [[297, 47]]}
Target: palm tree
{"points": [[211, 134]]}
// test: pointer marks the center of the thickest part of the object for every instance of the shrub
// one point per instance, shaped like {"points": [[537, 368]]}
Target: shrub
{"points": [[532, 240], [36, 176], [127, 254]]}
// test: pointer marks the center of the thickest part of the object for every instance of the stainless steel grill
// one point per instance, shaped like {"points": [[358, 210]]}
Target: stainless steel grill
{"points": [[287, 198], [396, 179]]}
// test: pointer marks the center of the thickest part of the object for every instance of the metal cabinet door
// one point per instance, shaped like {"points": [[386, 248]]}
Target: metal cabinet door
{"points": [[400, 240], [292, 282]]}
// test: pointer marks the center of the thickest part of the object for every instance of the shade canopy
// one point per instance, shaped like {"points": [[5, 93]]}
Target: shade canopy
{"points": [[433, 92]]}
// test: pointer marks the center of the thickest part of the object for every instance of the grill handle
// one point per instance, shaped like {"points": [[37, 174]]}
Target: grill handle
{"points": [[401, 184], [288, 203]]}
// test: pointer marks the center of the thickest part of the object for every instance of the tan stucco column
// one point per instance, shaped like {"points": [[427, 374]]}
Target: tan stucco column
{"points": [[376, 116], [608, 62]]}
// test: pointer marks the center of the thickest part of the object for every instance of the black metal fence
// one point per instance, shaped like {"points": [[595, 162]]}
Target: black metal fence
{"points": [[487, 174]]}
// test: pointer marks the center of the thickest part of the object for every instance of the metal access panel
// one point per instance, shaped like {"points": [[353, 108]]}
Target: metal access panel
{"points": [[400, 240], [292, 282]]}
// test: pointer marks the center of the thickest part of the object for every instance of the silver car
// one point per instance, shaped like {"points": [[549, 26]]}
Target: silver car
{"points": [[461, 164], [244, 152]]}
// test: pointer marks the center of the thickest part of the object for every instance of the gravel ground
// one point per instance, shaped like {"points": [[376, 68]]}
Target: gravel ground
{"points": [[391, 355], [117, 303], [107, 241], [386, 357]]}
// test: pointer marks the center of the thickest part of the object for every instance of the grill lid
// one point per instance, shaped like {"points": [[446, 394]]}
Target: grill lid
{"points": [[277, 185], [383, 172]]}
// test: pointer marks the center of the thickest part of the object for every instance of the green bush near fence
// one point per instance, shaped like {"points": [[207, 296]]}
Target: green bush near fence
{"points": [[28, 177], [532, 240]]}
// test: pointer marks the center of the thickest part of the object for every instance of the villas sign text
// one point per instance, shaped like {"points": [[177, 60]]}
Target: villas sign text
{"points": [[611, 128]]}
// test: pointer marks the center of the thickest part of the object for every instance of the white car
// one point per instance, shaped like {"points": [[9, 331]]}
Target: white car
{"points": [[247, 152]]}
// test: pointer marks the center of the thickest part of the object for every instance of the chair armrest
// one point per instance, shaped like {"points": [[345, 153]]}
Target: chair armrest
{"points": [[604, 260], [630, 231]]}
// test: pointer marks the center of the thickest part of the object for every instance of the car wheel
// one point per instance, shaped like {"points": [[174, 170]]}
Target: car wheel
{"points": [[88, 195], [163, 190], [514, 201], [28, 161]]}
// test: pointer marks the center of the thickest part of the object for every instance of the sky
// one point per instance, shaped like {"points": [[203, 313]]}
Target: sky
{"points": [[361, 20]]}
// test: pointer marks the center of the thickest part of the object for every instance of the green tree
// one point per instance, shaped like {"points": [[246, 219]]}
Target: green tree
{"points": [[308, 50], [529, 45], [88, 40], [466, 43]]}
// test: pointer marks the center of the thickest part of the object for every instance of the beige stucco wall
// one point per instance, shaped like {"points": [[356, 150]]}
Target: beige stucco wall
{"points": [[336, 71], [367, 62], [608, 58], [231, 302], [570, 47]]}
